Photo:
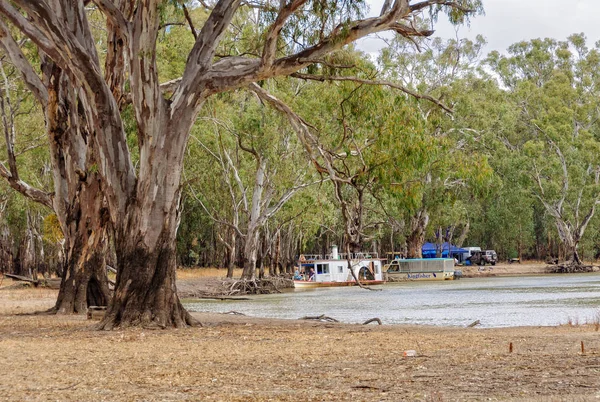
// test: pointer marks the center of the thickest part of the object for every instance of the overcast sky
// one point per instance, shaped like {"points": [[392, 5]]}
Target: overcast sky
{"points": [[508, 21]]}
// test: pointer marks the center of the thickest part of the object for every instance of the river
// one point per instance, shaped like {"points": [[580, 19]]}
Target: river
{"points": [[496, 302]]}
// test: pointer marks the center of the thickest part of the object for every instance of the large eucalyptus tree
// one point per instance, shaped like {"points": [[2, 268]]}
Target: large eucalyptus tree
{"points": [[77, 199], [260, 166], [555, 88], [433, 165], [143, 200]]}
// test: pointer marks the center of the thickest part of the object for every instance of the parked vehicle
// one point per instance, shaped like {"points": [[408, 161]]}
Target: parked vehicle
{"points": [[483, 257], [468, 253]]}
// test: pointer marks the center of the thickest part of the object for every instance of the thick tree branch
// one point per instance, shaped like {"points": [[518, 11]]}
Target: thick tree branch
{"points": [[409, 32], [116, 17], [429, 3], [57, 41], [270, 47], [18, 59], [234, 72], [201, 56], [188, 18], [25, 189], [30, 30]]}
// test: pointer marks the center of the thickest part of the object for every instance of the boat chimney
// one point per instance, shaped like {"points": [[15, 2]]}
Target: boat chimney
{"points": [[334, 253]]}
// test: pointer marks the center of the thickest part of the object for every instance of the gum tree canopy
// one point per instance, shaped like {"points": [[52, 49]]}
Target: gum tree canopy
{"points": [[143, 199]]}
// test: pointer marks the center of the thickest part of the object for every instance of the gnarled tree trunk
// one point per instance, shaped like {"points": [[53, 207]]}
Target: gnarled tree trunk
{"points": [[145, 233], [78, 199], [416, 238]]}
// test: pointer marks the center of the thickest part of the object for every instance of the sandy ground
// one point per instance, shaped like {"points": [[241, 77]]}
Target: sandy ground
{"points": [[238, 358], [505, 269]]}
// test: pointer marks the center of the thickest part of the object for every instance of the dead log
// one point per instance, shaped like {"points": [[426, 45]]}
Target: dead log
{"points": [[52, 283], [377, 320], [234, 313], [569, 268], [222, 298], [473, 324], [22, 278], [321, 317], [259, 286]]}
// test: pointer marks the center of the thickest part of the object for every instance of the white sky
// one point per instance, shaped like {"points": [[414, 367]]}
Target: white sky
{"points": [[508, 21]]}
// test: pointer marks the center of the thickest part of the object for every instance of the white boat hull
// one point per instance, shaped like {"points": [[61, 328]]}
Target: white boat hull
{"points": [[311, 284]]}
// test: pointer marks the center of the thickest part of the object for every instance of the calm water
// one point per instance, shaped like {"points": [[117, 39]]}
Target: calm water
{"points": [[496, 302]]}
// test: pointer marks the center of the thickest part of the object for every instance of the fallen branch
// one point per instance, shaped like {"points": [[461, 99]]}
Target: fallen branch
{"points": [[474, 323], [370, 387], [377, 320], [321, 317], [21, 278], [234, 313], [259, 286], [569, 268]]}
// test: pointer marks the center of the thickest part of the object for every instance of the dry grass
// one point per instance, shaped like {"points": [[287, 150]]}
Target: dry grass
{"points": [[244, 359], [236, 358], [593, 323], [195, 273]]}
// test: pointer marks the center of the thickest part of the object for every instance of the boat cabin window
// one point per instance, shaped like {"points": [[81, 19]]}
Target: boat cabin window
{"points": [[322, 268], [340, 269], [394, 266]]}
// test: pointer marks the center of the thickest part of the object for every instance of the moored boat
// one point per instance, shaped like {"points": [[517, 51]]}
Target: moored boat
{"points": [[333, 270], [419, 269]]}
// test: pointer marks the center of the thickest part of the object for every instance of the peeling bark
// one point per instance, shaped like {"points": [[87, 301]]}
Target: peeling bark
{"points": [[78, 200]]}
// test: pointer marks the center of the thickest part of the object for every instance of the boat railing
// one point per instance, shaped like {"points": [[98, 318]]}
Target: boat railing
{"points": [[353, 256], [340, 256]]}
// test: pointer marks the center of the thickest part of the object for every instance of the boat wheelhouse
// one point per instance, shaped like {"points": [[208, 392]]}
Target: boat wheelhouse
{"points": [[418, 269], [332, 270]]}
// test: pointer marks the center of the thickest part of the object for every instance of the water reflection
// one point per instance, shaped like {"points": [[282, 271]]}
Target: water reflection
{"points": [[496, 302]]}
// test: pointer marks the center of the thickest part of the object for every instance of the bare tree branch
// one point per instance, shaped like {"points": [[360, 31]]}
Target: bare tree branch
{"points": [[188, 18], [373, 82]]}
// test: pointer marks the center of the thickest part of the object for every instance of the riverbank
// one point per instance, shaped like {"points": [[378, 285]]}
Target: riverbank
{"points": [[504, 269], [239, 358]]}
